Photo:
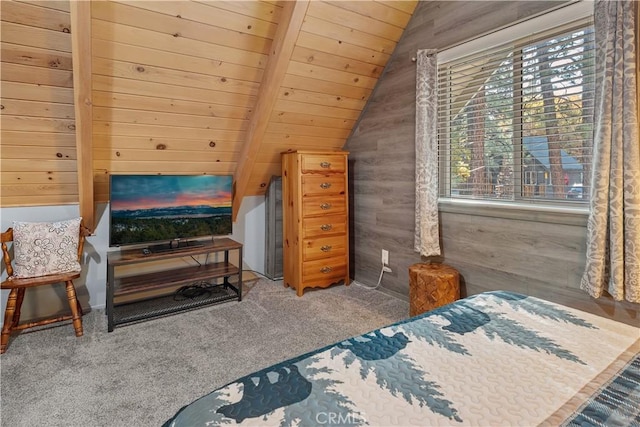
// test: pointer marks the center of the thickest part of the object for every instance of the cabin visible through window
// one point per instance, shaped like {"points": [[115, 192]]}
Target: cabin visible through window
{"points": [[515, 122]]}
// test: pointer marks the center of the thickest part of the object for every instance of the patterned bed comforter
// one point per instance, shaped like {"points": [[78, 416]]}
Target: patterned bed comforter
{"points": [[492, 359]]}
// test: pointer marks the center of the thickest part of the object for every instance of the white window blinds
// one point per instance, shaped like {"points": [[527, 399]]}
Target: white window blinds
{"points": [[515, 121]]}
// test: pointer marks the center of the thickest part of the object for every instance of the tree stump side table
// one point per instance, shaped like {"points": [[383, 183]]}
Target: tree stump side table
{"points": [[431, 286]]}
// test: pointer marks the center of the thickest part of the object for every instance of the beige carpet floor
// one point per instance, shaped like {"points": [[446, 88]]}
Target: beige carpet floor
{"points": [[141, 374]]}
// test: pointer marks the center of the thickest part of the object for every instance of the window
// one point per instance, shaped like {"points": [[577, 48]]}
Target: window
{"points": [[515, 121]]}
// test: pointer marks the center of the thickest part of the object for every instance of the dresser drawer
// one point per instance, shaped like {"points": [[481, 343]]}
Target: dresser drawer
{"points": [[324, 163], [326, 247], [324, 225], [315, 185], [324, 271], [323, 205]]}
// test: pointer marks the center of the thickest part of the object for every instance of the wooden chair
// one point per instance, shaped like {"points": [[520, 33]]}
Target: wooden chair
{"points": [[18, 286]]}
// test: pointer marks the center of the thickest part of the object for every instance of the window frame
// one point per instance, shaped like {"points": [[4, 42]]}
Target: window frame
{"points": [[563, 19]]}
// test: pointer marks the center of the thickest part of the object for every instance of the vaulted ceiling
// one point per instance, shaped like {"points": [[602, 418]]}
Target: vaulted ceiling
{"points": [[216, 87]]}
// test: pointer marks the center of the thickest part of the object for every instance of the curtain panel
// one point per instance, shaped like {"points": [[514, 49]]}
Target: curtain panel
{"points": [[613, 239], [427, 236]]}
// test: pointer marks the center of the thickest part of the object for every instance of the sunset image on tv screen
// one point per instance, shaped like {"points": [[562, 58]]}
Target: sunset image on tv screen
{"points": [[150, 208]]}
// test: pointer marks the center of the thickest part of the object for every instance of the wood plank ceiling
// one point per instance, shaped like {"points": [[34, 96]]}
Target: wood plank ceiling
{"points": [[189, 86]]}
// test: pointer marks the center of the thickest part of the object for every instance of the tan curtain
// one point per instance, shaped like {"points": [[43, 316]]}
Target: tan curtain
{"points": [[613, 242], [426, 241]]}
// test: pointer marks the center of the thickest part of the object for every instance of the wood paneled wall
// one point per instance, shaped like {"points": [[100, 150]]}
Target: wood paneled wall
{"points": [[172, 93], [543, 259], [340, 52], [175, 87], [175, 84], [38, 129]]}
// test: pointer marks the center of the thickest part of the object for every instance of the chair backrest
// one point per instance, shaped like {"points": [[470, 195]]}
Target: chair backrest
{"points": [[7, 237]]}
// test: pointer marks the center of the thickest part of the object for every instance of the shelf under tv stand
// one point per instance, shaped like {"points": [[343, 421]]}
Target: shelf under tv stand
{"points": [[132, 298]]}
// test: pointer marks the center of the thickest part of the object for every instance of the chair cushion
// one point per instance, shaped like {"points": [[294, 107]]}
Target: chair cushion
{"points": [[42, 248]]}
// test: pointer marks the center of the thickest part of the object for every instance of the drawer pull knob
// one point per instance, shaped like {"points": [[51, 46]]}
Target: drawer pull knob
{"points": [[326, 227], [325, 248], [325, 185], [325, 206], [326, 270], [325, 165]]}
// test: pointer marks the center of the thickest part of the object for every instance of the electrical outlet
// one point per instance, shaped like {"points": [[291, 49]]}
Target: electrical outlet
{"points": [[385, 257]]}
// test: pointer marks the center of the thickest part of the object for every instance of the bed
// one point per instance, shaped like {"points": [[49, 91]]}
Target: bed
{"points": [[492, 359]]}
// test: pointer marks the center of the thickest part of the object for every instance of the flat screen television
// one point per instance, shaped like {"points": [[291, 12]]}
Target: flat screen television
{"points": [[170, 211]]}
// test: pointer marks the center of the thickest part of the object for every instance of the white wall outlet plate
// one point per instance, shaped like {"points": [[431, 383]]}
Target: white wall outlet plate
{"points": [[385, 257]]}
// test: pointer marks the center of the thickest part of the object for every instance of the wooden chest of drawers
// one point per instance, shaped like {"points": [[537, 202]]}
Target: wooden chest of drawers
{"points": [[315, 219]]}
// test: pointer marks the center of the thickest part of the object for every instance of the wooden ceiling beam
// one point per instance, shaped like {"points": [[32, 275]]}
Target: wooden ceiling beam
{"points": [[80, 13], [292, 17]]}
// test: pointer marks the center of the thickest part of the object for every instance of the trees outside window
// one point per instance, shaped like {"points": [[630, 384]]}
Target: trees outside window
{"points": [[515, 122]]}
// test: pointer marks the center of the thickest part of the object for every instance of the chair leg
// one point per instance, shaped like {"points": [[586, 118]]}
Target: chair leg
{"points": [[16, 314], [8, 319], [73, 305]]}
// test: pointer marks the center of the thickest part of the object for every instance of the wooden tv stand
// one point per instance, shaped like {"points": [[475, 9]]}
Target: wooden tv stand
{"points": [[132, 298]]}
